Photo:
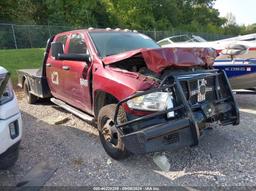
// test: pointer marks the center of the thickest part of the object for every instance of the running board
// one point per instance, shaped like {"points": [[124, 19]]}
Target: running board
{"points": [[73, 110]]}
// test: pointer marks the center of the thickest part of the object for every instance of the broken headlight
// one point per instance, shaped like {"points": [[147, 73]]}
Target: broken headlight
{"points": [[157, 101], [6, 90]]}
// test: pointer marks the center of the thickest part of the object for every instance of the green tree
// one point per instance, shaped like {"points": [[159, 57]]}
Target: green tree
{"points": [[16, 11], [186, 15]]}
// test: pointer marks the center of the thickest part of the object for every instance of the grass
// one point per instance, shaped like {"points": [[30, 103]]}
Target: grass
{"points": [[15, 59]]}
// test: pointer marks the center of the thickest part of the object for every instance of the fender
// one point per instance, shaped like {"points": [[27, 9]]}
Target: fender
{"points": [[120, 83]]}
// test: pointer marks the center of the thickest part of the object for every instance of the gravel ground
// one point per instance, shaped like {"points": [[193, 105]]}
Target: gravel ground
{"points": [[225, 156]]}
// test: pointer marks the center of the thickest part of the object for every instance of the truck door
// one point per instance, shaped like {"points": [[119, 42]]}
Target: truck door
{"points": [[76, 87], [54, 71]]}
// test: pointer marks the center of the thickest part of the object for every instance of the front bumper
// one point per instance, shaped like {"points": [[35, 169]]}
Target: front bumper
{"points": [[6, 140], [161, 137], [155, 132]]}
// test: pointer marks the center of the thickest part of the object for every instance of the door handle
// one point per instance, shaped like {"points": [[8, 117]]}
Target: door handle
{"points": [[65, 67], [48, 65]]}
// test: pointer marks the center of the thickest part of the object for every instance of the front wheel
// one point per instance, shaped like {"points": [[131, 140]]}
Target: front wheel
{"points": [[109, 136]]}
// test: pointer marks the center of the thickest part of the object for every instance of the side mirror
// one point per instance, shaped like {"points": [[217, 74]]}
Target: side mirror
{"points": [[75, 57], [57, 49]]}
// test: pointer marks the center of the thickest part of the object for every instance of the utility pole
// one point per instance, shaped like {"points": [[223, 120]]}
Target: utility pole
{"points": [[155, 34], [14, 37], [87, 19]]}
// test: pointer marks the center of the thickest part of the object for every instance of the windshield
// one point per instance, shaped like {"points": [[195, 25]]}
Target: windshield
{"points": [[198, 39], [186, 38], [110, 43], [179, 38]]}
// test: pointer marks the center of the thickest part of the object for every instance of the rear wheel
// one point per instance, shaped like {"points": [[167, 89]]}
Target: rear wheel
{"points": [[31, 99], [109, 135]]}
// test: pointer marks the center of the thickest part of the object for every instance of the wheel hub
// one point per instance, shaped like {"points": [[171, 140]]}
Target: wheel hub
{"points": [[109, 132]]}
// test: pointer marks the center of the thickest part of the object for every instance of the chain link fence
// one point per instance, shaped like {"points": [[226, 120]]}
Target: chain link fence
{"points": [[35, 36], [27, 36]]}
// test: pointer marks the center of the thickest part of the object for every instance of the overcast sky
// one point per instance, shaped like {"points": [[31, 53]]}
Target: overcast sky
{"points": [[244, 10]]}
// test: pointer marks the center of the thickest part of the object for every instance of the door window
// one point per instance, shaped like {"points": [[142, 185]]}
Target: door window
{"points": [[77, 45], [63, 40]]}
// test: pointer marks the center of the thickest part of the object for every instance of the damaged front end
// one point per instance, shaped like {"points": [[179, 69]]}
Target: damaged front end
{"points": [[193, 99]]}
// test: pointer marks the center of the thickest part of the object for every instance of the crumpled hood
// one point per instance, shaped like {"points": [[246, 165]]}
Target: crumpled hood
{"points": [[159, 59]]}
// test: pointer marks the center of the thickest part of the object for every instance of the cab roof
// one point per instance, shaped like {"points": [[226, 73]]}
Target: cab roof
{"points": [[98, 30]]}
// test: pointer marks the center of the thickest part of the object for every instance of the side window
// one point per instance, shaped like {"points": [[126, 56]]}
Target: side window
{"points": [[77, 45], [62, 39]]}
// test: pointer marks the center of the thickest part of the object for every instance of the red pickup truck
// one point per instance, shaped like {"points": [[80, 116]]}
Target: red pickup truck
{"points": [[143, 98]]}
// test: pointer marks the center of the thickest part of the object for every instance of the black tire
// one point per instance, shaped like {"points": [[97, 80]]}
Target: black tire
{"points": [[111, 142], [9, 158], [31, 99]]}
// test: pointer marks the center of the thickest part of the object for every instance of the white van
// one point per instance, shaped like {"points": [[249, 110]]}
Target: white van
{"points": [[10, 122]]}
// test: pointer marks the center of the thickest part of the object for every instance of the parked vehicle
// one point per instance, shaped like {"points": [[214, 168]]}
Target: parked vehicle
{"points": [[10, 122], [241, 72], [237, 56], [193, 41], [143, 98]]}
